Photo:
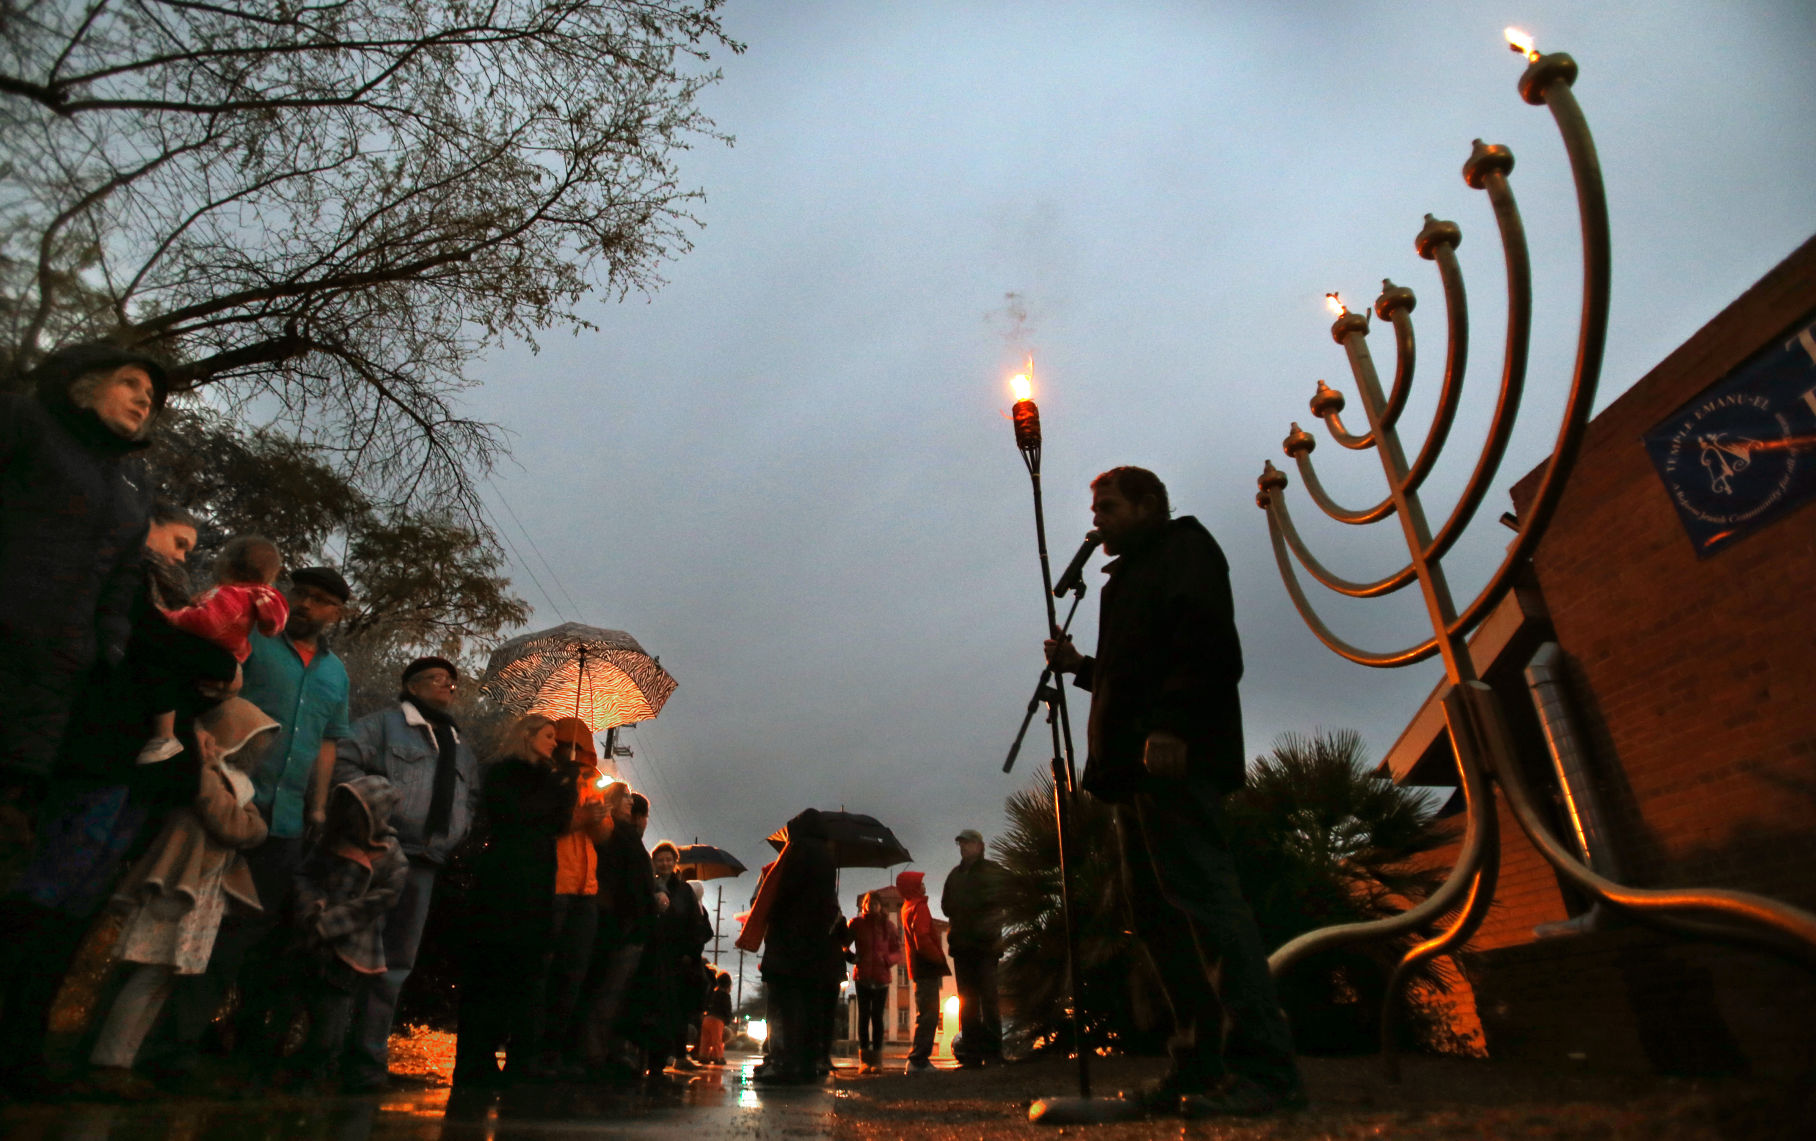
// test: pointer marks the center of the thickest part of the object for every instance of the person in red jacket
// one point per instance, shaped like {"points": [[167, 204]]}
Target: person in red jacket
{"points": [[879, 951], [926, 966]]}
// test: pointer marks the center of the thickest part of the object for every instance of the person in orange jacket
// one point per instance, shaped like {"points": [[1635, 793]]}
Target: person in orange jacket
{"points": [[926, 966]]}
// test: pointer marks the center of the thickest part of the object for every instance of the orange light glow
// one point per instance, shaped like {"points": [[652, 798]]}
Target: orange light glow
{"points": [[1021, 386], [1522, 42], [1335, 305]]}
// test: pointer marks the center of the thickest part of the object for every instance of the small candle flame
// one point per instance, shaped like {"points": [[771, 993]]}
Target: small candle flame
{"points": [[1522, 42], [1335, 305]]}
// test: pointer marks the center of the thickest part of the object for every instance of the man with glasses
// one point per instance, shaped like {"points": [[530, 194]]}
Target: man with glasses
{"points": [[417, 745]]}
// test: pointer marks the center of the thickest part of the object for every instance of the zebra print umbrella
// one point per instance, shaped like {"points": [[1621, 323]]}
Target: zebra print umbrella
{"points": [[601, 676]]}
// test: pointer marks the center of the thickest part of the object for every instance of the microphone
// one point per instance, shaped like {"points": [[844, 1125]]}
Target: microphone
{"points": [[1075, 570]]}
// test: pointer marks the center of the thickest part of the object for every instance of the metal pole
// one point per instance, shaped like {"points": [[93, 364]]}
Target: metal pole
{"points": [[718, 913]]}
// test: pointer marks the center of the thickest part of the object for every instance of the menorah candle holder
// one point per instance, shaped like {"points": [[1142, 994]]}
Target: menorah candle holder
{"points": [[1473, 714]]}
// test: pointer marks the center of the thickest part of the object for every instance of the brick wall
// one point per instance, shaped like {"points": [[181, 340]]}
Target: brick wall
{"points": [[1695, 678], [1695, 683]]}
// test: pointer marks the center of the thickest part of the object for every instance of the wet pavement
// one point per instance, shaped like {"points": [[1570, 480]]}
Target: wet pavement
{"points": [[1441, 1098], [712, 1103]]}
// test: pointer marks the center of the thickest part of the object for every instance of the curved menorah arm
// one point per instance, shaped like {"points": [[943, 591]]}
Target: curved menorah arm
{"points": [[1548, 81], [1463, 925], [1272, 482], [1395, 304], [1487, 169], [1327, 404], [1479, 837], [1437, 243], [1343, 586], [1298, 445], [1781, 926]]}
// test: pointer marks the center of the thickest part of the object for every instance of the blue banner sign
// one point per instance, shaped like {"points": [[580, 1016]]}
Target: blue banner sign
{"points": [[1743, 453]]}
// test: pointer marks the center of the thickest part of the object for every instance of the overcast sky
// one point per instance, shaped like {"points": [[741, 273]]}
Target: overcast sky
{"points": [[789, 471]]}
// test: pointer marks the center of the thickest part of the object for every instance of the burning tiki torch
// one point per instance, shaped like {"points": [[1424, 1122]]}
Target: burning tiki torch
{"points": [[1084, 1108]]}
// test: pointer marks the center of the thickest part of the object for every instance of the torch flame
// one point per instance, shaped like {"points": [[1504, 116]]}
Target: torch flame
{"points": [[1335, 305], [1521, 42], [1022, 384]]}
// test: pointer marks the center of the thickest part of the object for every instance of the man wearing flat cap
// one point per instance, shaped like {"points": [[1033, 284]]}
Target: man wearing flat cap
{"points": [[417, 745], [972, 901]]}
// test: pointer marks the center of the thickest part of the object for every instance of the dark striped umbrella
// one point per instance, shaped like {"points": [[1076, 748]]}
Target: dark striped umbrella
{"points": [[603, 677], [705, 862]]}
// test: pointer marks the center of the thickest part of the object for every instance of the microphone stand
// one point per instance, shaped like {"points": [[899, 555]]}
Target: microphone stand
{"points": [[1042, 691], [1084, 1108]]}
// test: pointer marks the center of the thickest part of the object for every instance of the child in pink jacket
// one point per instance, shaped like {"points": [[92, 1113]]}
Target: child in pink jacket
{"points": [[243, 600]]}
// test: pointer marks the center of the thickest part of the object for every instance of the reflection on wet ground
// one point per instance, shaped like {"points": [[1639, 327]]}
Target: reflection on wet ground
{"points": [[708, 1104]]}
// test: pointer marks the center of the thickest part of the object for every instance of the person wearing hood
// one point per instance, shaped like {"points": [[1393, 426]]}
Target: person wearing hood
{"points": [[926, 966], [1165, 747], [299, 680], [178, 893], [350, 879], [416, 745], [75, 500], [793, 919]]}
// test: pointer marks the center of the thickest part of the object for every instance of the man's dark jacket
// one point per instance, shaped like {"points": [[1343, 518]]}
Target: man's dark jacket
{"points": [[972, 901], [1168, 658]]}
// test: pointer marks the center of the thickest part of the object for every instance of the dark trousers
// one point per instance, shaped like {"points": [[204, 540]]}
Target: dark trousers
{"points": [[872, 998], [980, 1024], [793, 1024], [576, 919], [252, 950], [501, 985], [1189, 913], [600, 1040], [926, 1017]]}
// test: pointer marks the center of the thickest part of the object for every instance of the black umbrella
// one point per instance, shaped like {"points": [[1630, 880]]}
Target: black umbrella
{"points": [[705, 862], [858, 841]]}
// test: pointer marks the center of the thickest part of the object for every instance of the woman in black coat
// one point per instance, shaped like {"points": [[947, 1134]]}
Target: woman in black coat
{"points": [[75, 500], [527, 803]]}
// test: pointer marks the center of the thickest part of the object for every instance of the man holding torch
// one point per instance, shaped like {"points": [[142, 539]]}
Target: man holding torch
{"points": [[1165, 747]]}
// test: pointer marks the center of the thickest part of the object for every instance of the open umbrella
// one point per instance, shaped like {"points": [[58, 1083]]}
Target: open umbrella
{"points": [[858, 841], [603, 677], [705, 862]]}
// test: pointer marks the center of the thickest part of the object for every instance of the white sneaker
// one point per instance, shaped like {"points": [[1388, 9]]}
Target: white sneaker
{"points": [[159, 749]]}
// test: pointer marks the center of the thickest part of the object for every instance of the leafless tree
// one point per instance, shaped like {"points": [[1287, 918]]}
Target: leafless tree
{"points": [[328, 207]]}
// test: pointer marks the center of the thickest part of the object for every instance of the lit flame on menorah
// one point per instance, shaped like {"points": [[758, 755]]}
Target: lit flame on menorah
{"points": [[1472, 710]]}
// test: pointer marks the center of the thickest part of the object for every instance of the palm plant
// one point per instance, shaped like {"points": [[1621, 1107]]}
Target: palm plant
{"points": [[1318, 840]]}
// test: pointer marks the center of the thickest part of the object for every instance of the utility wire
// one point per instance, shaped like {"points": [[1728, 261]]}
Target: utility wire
{"points": [[525, 531]]}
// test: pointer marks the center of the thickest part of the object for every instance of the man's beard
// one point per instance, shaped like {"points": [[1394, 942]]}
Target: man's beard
{"points": [[301, 627]]}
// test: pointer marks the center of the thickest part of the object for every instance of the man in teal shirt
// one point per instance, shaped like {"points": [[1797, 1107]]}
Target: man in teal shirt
{"points": [[299, 683]]}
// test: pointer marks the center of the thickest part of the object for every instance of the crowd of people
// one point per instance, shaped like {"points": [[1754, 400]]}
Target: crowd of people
{"points": [[190, 759], [180, 778]]}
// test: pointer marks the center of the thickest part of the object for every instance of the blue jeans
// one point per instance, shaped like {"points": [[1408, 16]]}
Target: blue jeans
{"points": [[375, 1004]]}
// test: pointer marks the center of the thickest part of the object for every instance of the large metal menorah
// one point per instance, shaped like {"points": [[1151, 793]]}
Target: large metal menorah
{"points": [[1478, 732]]}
